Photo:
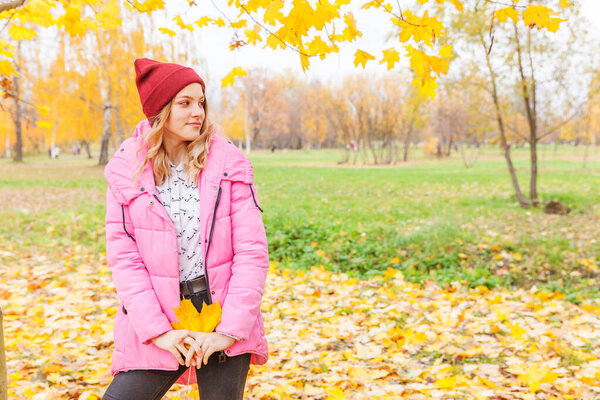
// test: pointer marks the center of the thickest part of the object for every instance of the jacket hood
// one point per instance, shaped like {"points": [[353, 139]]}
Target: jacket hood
{"points": [[224, 161]]}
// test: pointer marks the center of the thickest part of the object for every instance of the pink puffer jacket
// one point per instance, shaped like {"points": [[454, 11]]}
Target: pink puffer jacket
{"points": [[141, 248]]}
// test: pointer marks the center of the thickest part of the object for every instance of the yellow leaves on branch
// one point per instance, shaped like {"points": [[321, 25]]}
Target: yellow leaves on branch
{"points": [[147, 6], [253, 35], [108, 17], [179, 21], [73, 22], [229, 79], [21, 33], [7, 68], [505, 13], [427, 67], [189, 318], [534, 16], [350, 32], [541, 17], [456, 3], [423, 29], [313, 28]]}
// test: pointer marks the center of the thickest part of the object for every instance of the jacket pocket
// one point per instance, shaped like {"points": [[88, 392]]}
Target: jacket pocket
{"points": [[222, 250]]}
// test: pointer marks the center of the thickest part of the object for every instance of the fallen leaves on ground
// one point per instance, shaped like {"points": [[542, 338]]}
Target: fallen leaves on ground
{"points": [[330, 336]]}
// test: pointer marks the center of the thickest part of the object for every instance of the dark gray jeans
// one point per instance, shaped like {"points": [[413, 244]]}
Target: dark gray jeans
{"points": [[223, 378]]}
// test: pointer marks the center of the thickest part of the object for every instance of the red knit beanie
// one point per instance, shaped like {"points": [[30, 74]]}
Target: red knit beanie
{"points": [[159, 82]]}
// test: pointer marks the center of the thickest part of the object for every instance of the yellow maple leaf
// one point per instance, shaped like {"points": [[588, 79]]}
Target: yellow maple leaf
{"points": [[7, 68], [203, 21], [21, 33], [446, 383], [238, 24], [361, 57], [253, 35], [505, 13], [446, 51], [189, 318], [167, 31], [219, 22], [335, 393], [390, 56], [274, 42], [181, 24], [541, 17], [229, 79], [272, 13], [350, 32], [516, 331], [534, 376], [427, 86]]}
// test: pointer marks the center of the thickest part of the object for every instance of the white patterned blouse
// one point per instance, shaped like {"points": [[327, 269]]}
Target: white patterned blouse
{"points": [[182, 200]]}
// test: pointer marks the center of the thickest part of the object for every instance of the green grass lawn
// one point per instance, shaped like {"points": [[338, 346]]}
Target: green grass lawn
{"points": [[428, 217]]}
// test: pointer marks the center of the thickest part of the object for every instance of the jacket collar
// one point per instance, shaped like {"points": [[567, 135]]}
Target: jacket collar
{"points": [[121, 168]]}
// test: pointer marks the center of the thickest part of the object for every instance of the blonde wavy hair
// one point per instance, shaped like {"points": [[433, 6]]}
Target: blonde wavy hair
{"points": [[197, 150]]}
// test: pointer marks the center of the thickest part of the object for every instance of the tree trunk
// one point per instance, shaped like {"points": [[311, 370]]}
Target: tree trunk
{"points": [[86, 144], [533, 196], [373, 152], [3, 372], [18, 156], [407, 143], [106, 130], [529, 99], [450, 144], [588, 140], [523, 202], [119, 125]]}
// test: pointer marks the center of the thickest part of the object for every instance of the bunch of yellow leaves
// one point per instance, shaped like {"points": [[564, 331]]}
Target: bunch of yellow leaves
{"points": [[189, 318]]}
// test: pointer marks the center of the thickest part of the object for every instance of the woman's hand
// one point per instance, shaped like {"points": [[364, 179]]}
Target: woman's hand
{"points": [[206, 343], [173, 342]]}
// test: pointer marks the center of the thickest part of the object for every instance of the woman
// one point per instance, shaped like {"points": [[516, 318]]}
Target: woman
{"points": [[182, 221]]}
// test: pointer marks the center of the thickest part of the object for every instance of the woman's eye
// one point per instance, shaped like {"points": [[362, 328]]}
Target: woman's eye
{"points": [[185, 102]]}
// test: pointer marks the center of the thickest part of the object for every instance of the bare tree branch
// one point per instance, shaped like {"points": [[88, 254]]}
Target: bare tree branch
{"points": [[11, 5]]}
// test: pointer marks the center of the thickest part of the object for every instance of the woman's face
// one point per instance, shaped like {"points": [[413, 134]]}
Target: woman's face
{"points": [[187, 113]]}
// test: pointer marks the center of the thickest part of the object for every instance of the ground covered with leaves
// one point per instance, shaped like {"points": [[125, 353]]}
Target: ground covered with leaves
{"points": [[330, 336]]}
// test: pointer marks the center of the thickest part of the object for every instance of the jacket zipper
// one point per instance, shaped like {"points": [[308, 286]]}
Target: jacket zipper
{"points": [[212, 226]]}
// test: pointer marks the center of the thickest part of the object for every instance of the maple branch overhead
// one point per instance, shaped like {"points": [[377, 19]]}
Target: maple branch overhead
{"points": [[221, 12], [271, 33], [505, 4], [400, 17], [11, 5]]}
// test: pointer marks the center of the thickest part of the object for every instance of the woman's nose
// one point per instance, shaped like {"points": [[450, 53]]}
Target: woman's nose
{"points": [[197, 110]]}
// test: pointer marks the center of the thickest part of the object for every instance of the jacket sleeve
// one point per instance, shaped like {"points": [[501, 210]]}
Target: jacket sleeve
{"points": [[250, 262], [130, 275]]}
